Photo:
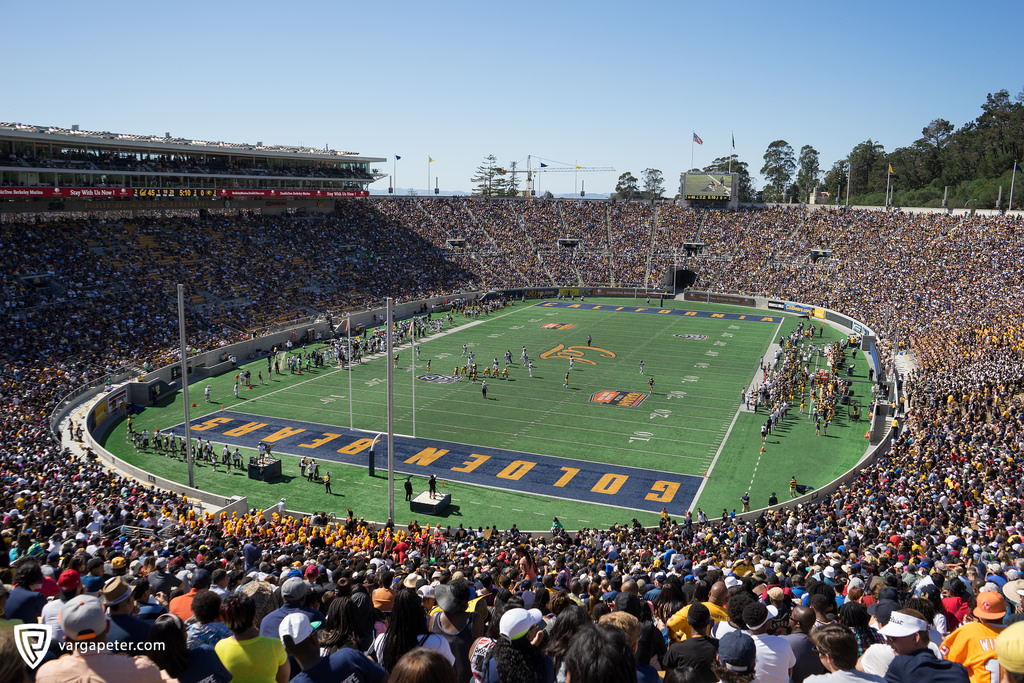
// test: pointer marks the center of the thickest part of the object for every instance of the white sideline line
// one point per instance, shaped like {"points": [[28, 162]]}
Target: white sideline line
{"points": [[707, 475]]}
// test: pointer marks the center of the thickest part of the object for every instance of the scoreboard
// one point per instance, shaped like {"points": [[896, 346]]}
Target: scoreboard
{"points": [[709, 189], [150, 193], [705, 186]]}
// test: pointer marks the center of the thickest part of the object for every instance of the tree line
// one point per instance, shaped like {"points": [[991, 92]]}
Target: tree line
{"points": [[972, 162]]}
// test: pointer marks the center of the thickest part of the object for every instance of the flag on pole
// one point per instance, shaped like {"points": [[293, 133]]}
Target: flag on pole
{"points": [[410, 326], [734, 140], [696, 138], [578, 166], [543, 165], [431, 159], [890, 169], [1016, 167], [348, 322], [397, 157]]}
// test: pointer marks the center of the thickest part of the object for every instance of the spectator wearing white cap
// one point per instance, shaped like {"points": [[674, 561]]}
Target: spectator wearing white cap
{"points": [[85, 626], [517, 655], [907, 634], [775, 658], [296, 632]]}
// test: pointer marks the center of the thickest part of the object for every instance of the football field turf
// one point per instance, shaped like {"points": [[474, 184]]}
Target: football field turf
{"points": [[599, 451]]}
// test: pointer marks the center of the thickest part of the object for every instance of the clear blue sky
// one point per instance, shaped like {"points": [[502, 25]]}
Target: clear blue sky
{"points": [[597, 83]]}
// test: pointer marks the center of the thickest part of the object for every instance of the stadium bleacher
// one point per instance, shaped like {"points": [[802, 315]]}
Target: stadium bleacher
{"points": [[944, 501]]}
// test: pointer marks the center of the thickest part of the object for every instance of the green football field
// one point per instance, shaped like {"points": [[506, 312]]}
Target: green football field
{"points": [[690, 425]]}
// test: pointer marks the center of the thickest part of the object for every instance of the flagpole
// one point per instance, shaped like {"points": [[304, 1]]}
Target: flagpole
{"points": [[733, 134], [849, 179], [348, 335], [692, 138], [427, 191], [1012, 179], [887, 174]]}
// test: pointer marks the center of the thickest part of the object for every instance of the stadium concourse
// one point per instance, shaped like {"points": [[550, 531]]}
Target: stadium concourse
{"points": [[941, 508]]}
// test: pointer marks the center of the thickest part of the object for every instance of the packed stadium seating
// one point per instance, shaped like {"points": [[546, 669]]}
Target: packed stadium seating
{"points": [[947, 288]]}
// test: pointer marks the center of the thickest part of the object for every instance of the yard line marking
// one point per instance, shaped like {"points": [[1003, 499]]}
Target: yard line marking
{"points": [[707, 475]]}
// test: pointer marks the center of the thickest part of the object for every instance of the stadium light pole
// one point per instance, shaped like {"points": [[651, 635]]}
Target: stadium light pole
{"points": [[412, 330], [839, 183], [184, 380], [389, 333], [348, 343]]}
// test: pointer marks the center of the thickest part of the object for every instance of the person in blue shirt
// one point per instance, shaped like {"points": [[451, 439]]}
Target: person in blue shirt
{"points": [[907, 634], [296, 632]]}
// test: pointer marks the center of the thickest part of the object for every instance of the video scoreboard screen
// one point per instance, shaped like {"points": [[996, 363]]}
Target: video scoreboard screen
{"points": [[707, 187]]}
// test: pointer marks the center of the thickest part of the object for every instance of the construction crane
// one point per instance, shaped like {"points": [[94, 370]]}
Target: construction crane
{"points": [[561, 168]]}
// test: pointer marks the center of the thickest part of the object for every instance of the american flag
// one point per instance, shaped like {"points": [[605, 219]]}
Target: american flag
{"points": [[696, 138]]}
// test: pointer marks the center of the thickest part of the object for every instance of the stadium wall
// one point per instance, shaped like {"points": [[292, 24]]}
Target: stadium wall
{"points": [[96, 402], [215, 362]]}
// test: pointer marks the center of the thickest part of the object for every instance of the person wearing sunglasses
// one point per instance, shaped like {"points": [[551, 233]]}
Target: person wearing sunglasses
{"points": [[907, 634]]}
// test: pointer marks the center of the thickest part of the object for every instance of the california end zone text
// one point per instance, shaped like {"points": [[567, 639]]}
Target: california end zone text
{"points": [[616, 485]]}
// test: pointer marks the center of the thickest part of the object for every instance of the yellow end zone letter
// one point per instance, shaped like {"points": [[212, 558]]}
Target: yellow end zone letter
{"points": [[210, 424], [668, 491]]}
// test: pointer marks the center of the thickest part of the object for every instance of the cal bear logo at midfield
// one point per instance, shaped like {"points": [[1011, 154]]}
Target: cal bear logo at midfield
{"points": [[618, 398], [438, 379], [557, 326], [695, 337]]}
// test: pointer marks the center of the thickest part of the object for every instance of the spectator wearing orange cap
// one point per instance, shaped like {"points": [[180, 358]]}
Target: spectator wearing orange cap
{"points": [[973, 644]]}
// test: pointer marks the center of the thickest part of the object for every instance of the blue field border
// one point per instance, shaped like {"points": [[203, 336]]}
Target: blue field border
{"points": [[623, 487], [649, 310]]}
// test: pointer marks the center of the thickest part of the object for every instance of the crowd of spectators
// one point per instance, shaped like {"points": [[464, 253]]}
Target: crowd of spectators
{"points": [[934, 521]]}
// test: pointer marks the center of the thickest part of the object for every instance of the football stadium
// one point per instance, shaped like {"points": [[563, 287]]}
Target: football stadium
{"points": [[231, 357]]}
